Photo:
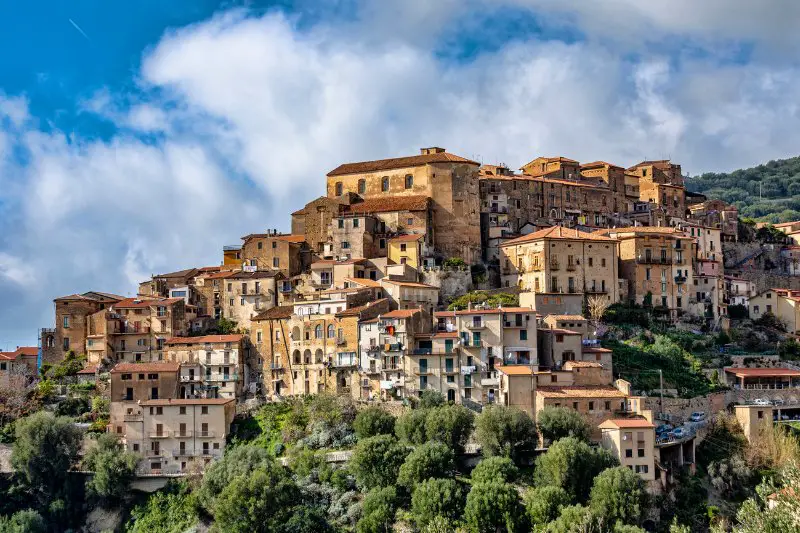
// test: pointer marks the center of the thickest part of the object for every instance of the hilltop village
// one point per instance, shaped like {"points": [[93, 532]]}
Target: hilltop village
{"points": [[432, 272]]}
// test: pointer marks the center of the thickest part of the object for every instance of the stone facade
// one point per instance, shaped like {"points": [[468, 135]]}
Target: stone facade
{"points": [[287, 254], [247, 294], [212, 366]]}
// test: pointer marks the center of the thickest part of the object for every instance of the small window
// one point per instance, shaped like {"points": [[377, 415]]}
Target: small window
{"points": [[355, 222], [339, 188], [276, 262], [182, 410], [204, 410], [385, 184], [629, 453], [409, 181], [260, 245], [362, 186]]}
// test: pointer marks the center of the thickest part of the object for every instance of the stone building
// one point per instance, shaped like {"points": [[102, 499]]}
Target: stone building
{"points": [[132, 383], [247, 294], [356, 235], [717, 214], [212, 366], [450, 181], [314, 221], [18, 368], [657, 263], [661, 183], [615, 179], [71, 314], [559, 261], [632, 442], [287, 254]]}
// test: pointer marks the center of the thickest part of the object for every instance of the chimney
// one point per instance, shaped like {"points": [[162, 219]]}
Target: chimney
{"points": [[432, 150]]}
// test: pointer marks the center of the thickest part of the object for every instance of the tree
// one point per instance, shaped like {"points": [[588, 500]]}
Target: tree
{"points": [[236, 462], [431, 460], [597, 306], [376, 461], [618, 495], [113, 468], [543, 504], [732, 478], [305, 519], [776, 507], [572, 465], [439, 524], [27, 521], [226, 326], [410, 427], [575, 519], [258, 501], [505, 431], [493, 507], [45, 449], [450, 424], [495, 469], [380, 506], [431, 398], [373, 421], [559, 422], [170, 510], [437, 498]]}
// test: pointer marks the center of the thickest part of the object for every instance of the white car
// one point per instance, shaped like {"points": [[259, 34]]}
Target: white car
{"points": [[697, 416], [778, 401], [762, 401]]}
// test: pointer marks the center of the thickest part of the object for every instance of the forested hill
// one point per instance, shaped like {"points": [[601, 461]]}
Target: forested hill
{"points": [[779, 199]]}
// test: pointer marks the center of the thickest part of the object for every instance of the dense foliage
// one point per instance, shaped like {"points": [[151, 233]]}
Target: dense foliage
{"points": [[505, 431], [482, 297], [770, 191], [559, 422]]}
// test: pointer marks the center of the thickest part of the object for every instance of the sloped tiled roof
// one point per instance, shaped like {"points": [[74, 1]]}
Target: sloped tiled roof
{"points": [[136, 303], [514, 370], [282, 311], [558, 232], [205, 339], [401, 313], [164, 366], [624, 423], [579, 391], [193, 401], [409, 237], [599, 164], [389, 204], [398, 162]]}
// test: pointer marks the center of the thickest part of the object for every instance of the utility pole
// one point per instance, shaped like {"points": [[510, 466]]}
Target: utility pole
{"points": [[661, 390]]}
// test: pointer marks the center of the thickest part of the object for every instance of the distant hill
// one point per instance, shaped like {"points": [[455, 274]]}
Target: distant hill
{"points": [[779, 199]]}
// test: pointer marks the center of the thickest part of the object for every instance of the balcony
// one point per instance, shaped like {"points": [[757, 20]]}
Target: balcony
{"points": [[206, 434], [680, 279], [490, 382], [597, 290], [340, 341], [554, 265], [571, 267], [190, 379], [649, 260], [276, 366], [182, 453], [132, 417], [393, 347], [182, 434], [476, 325], [423, 372], [130, 330], [222, 378], [154, 454], [163, 434]]}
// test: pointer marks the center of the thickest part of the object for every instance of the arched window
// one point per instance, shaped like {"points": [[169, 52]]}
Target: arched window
{"points": [[362, 186], [318, 331], [341, 333], [385, 184], [338, 188], [318, 356], [296, 357], [409, 181], [331, 331]]}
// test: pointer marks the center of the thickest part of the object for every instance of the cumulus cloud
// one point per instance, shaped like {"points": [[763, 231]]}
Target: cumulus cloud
{"points": [[237, 119]]}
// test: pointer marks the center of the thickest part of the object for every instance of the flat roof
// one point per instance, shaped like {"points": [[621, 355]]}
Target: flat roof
{"points": [[515, 370], [762, 372]]}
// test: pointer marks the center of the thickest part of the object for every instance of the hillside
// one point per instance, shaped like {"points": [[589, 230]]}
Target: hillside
{"points": [[779, 181]]}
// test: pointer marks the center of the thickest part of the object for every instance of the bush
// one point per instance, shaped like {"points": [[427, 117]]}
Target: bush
{"points": [[27, 521], [380, 506], [431, 398], [575, 518], [495, 469], [572, 465], [171, 510], [410, 427], [235, 463], [437, 498], [454, 262], [451, 425], [505, 431], [769, 320], [73, 407], [373, 421], [431, 460], [492, 507], [559, 422], [113, 468], [543, 504], [376, 461]]}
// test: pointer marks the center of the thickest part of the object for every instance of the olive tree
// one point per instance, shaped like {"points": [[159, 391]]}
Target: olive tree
{"points": [[431, 460]]}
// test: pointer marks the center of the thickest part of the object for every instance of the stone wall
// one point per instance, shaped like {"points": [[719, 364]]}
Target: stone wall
{"points": [[451, 283]]}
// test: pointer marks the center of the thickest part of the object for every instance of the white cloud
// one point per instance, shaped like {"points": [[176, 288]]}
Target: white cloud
{"points": [[239, 118]]}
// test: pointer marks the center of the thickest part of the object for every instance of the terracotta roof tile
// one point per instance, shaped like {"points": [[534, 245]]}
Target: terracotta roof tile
{"points": [[599, 164], [566, 317], [365, 282], [401, 313], [561, 331], [389, 204], [205, 339], [514, 370], [286, 238], [87, 370], [137, 303], [276, 313], [356, 311], [661, 230], [579, 391], [398, 162], [412, 284], [594, 349], [146, 367], [582, 364], [194, 401], [558, 232], [624, 423], [763, 372], [409, 237]]}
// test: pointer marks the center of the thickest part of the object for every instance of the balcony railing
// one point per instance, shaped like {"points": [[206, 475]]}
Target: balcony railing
{"points": [[133, 330], [571, 267], [206, 434], [163, 434], [132, 417], [554, 265], [597, 290], [189, 379], [340, 341], [680, 279], [476, 325], [182, 433], [649, 260], [222, 378]]}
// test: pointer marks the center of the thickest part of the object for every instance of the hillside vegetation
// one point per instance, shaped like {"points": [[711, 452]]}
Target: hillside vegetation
{"points": [[779, 181]]}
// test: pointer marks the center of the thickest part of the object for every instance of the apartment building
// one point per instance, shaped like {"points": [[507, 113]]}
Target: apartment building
{"points": [[210, 289], [71, 313], [384, 342], [661, 183], [273, 251], [614, 177], [18, 368], [717, 214], [562, 261], [247, 294], [632, 442], [212, 366], [137, 328], [356, 235], [410, 294], [656, 262], [232, 255], [738, 290], [132, 383], [176, 436], [481, 339], [450, 181], [407, 249]]}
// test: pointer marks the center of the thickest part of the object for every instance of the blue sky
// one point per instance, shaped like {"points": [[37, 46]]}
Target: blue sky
{"points": [[172, 128]]}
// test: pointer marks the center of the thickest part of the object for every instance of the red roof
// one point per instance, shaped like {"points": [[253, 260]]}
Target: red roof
{"points": [[595, 349], [398, 162], [205, 339], [762, 372], [134, 303], [558, 232], [193, 401], [89, 369], [146, 367], [409, 237], [388, 205], [401, 313], [624, 423], [21, 351], [492, 311]]}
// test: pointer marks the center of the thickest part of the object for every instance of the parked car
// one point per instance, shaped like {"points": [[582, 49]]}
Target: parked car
{"points": [[664, 428], [679, 433], [762, 401], [697, 416], [778, 401]]}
